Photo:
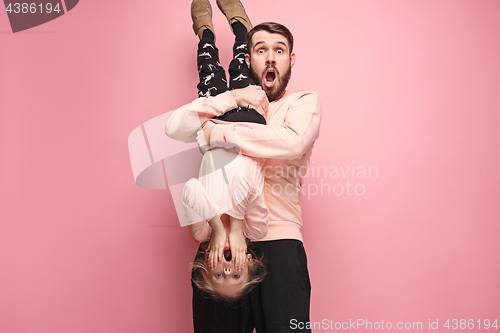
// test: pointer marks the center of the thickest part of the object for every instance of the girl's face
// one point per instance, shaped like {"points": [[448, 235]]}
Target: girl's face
{"points": [[226, 280]]}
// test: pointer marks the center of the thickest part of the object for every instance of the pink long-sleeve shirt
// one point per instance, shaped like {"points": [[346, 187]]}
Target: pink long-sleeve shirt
{"points": [[287, 141]]}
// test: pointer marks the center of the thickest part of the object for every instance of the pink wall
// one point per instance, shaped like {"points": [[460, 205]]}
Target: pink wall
{"points": [[409, 88]]}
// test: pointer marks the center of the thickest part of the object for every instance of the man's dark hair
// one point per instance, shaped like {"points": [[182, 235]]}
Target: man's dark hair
{"points": [[272, 28]]}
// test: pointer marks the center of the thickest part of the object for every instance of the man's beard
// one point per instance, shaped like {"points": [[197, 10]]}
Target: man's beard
{"points": [[279, 87]]}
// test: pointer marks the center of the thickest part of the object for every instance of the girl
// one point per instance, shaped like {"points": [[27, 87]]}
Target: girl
{"points": [[225, 205]]}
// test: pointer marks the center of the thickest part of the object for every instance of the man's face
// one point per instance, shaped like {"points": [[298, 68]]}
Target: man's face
{"points": [[270, 63]]}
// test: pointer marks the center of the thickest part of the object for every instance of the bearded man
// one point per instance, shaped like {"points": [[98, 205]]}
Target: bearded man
{"points": [[282, 300]]}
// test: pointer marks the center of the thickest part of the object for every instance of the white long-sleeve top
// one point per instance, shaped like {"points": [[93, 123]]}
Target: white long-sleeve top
{"points": [[287, 141]]}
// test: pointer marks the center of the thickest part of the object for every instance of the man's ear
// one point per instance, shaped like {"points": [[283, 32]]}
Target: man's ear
{"points": [[292, 59], [247, 60]]}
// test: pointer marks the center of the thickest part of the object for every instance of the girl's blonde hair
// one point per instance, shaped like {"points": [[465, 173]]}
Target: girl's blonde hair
{"points": [[199, 275]]}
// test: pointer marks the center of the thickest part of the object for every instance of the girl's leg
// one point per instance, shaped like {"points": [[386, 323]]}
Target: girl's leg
{"points": [[239, 74], [240, 25], [212, 75]]}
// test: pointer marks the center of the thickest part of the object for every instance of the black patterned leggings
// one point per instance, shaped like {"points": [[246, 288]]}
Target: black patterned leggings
{"points": [[213, 77]]}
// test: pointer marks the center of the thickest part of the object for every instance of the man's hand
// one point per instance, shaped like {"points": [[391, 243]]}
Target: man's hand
{"points": [[203, 136], [253, 97]]}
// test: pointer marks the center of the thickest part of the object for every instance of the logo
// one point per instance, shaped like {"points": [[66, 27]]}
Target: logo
{"points": [[26, 15], [160, 162]]}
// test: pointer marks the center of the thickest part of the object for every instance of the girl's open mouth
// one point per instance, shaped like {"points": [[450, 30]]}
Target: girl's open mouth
{"points": [[227, 255]]}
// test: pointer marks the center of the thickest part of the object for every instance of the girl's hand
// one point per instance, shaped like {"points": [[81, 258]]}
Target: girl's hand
{"points": [[216, 246], [238, 248]]}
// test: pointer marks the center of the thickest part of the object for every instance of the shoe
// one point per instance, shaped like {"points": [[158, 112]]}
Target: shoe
{"points": [[201, 13], [234, 11]]}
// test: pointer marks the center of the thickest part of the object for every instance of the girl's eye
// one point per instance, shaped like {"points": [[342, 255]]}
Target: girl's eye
{"points": [[236, 276], [218, 275]]}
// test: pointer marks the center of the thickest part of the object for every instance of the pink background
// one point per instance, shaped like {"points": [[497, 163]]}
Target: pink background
{"points": [[410, 87]]}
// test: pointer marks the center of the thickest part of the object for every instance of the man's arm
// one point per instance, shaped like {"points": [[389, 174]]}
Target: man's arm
{"points": [[289, 141], [183, 124], [188, 119]]}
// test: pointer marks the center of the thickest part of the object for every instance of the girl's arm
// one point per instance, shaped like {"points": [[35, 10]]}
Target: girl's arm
{"points": [[237, 243], [217, 242]]}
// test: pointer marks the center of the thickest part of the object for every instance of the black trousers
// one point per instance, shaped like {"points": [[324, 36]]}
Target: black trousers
{"points": [[283, 296], [213, 77]]}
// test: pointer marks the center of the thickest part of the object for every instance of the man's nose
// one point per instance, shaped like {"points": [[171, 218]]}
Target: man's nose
{"points": [[270, 58]]}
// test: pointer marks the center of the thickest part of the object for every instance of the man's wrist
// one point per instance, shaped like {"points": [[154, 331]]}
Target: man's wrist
{"points": [[236, 96], [217, 138], [208, 129]]}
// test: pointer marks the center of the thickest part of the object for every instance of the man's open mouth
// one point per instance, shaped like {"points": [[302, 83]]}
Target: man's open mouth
{"points": [[227, 255], [270, 78]]}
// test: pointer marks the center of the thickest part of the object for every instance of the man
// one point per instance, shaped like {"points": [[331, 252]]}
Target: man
{"points": [[293, 121]]}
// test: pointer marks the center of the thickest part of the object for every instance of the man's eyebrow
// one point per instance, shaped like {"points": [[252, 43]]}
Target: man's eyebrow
{"points": [[278, 42]]}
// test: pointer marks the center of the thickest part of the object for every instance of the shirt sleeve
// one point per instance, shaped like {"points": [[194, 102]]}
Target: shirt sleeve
{"points": [[289, 141], [201, 231], [183, 124]]}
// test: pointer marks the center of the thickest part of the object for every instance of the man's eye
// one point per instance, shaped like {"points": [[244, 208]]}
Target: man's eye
{"points": [[280, 51], [218, 275], [260, 51], [236, 276]]}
